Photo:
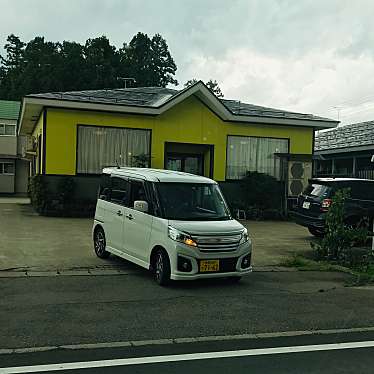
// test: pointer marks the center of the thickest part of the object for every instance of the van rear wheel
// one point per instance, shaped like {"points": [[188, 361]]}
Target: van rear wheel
{"points": [[100, 243], [161, 268]]}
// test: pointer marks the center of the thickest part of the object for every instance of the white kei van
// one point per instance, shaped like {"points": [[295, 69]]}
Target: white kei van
{"points": [[175, 224]]}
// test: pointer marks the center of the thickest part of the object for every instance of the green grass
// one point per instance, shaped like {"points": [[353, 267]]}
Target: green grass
{"points": [[360, 277], [303, 263]]}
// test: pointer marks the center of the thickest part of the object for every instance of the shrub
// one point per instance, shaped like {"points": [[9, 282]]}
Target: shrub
{"points": [[38, 192], [339, 238], [59, 201], [261, 196], [65, 190], [262, 191]]}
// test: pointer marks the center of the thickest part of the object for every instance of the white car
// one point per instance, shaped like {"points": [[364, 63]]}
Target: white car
{"points": [[175, 224]]}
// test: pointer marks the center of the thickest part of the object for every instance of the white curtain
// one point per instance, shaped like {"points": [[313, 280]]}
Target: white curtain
{"points": [[99, 147], [246, 153]]}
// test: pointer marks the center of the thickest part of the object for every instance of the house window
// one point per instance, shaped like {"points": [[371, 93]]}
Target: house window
{"points": [[8, 130], [6, 168], [343, 167], [324, 167], [245, 153], [99, 147]]}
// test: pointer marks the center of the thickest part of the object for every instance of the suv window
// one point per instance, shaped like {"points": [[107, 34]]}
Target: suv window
{"points": [[362, 190], [120, 189], [318, 190]]}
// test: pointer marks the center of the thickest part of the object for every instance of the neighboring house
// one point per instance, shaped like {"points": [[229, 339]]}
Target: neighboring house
{"points": [[78, 133], [14, 167], [346, 151]]}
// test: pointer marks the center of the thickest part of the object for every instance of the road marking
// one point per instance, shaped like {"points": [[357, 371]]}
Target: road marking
{"points": [[213, 338], [185, 357]]}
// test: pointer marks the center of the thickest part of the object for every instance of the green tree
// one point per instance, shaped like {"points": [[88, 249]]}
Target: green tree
{"points": [[148, 61], [212, 85], [74, 75], [11, 67], [44, 66], [136, 59], [162, 64], [102, 62]]}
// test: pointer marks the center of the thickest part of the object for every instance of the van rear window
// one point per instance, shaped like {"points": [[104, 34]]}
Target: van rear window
{"points": [[318, 190]]}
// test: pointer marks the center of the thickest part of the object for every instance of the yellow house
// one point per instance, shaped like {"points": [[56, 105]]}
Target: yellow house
{"points": [[78, 133]]}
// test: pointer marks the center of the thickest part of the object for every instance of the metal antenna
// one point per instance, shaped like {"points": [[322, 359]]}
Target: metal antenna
{"points": [[125, 80], [338, 109], [119, 163]]}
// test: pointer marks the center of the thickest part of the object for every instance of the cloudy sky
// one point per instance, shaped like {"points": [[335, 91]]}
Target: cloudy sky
{"points": [[314, 56]]}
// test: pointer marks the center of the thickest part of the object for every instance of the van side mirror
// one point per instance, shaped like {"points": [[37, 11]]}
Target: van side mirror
{"points": [[141, 206]]}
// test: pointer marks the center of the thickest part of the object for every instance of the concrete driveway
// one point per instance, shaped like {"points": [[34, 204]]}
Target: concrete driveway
{"points": [[35, 243]]}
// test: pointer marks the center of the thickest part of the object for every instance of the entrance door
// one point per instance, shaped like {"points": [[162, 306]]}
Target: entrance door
{"points": [[189, 163]]}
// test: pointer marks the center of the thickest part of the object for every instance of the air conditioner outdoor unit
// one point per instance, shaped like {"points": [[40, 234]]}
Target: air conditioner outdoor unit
{"points": [[31, 144], [299, 172]]}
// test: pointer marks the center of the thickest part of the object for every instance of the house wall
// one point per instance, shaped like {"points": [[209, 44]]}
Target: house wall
{"points": [[188, 122], [8, 145], [38, 131], [7, 181], [22, 177]]}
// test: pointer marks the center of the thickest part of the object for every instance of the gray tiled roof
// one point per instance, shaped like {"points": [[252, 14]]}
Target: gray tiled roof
{"points": [[239, 108], [354, 135], [156, 96], [145, 96]]}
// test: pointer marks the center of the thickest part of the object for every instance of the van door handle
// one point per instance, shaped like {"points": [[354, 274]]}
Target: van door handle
{"points": [[129, 216], [119, 213]]}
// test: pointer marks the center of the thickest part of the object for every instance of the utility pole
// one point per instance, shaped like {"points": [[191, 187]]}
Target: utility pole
{"points": [[125, 80]]}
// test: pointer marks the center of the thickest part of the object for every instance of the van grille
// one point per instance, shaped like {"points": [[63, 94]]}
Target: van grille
{"points": [[217, 243]]}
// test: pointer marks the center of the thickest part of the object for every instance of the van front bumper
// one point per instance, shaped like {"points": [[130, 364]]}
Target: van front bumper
{"points": [[231, 262], [186, 276]]}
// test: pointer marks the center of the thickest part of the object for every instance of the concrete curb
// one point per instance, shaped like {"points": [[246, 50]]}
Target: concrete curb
{"points": [[138, 343], [109, 271]]}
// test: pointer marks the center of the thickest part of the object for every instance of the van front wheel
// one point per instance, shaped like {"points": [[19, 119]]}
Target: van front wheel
{"points": [[161, 268]]}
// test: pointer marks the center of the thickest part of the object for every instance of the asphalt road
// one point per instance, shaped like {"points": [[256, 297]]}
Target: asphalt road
{"points": [[330, 353], [45, 311]]}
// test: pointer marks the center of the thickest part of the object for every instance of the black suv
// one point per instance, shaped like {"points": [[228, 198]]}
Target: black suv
{"points": [[315, 201]]}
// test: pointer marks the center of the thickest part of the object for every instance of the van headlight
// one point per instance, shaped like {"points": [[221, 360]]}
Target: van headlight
{"points": [[245, 237], [180, 236]]}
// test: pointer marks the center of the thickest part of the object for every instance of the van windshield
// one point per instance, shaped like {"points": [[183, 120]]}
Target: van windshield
{"points": [[192, 201]]}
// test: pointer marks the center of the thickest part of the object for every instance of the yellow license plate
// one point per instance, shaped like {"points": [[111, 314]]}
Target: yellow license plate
{"points": [[209, 265]]}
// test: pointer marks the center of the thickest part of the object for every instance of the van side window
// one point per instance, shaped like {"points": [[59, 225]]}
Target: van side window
{"points": [[120, 189], [104, 188], [138, 192]]}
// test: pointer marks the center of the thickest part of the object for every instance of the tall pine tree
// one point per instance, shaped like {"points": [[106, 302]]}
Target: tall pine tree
{"points": [[44, 66]]}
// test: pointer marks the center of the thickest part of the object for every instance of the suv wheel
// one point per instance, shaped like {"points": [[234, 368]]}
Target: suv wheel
{"points": [[317, 233], [100, 243], [357, 223]]}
